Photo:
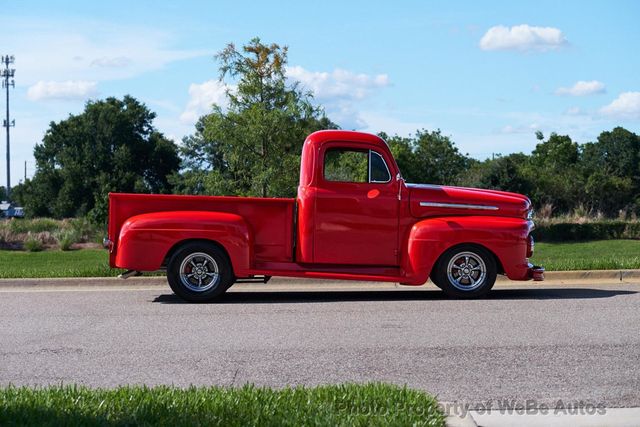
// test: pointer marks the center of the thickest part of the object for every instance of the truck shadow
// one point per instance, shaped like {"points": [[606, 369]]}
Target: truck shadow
{"points": [[311, 296]]}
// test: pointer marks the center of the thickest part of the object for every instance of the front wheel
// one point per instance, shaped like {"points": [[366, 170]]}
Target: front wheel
{"points": [[199, 272], [465, 271]]}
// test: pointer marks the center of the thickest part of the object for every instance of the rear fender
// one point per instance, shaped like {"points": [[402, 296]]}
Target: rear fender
{"points": [[428, 239], [145, 240]]}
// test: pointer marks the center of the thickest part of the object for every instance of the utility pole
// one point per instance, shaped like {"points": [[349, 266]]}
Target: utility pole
{"points": [[7, 80]]}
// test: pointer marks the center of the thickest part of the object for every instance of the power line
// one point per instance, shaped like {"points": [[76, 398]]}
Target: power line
{"points": [[7, 75]]}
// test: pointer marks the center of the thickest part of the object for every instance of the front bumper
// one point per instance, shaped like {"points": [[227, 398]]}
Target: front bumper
{"points": [[536, 272]]}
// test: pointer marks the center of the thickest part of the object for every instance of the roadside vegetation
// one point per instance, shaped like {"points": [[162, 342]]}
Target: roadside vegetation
{"points": [[581, 192], [252, 146], [54, 263], [38, 234], [331, 405], [594, 255]]}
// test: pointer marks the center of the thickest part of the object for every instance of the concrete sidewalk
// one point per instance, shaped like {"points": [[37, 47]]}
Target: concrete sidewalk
{"points": [[552, 417]]}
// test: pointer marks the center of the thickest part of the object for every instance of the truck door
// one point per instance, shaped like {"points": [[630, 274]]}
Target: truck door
{"points": [[356, 209]]}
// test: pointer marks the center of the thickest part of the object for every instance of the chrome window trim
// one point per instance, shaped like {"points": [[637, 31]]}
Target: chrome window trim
{"points": [[458, 206], [385, 166]]}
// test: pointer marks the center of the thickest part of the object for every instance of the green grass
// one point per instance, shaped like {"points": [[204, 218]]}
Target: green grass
{"points": [[596, 255], [372, 404], [80, 263]]}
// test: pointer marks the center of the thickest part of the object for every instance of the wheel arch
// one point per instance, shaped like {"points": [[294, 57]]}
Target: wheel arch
{"points": [[504, 238], [499, 267], [146, 241]]}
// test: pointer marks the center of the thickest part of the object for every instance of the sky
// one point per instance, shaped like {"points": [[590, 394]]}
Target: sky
{"points": [[488, 74]]}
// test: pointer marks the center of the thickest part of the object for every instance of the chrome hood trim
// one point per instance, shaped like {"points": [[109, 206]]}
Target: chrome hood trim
{"points": [[458, 206]]}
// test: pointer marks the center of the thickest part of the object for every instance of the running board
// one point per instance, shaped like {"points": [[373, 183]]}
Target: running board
{"points": [[254, 279], [336, 276]]}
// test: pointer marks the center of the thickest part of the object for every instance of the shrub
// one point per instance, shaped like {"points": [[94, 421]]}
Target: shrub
{"points": [[66, 238], [37, 225], [33, 243], [84, 229]]}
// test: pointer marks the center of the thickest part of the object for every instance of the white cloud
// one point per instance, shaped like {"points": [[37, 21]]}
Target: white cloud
{"points": [[625, 106], [530, 129], [389, 123], [201, 98], [88, 50], [68, 90], [339, 83], [340, 92], [582, 88], [522, 38]]}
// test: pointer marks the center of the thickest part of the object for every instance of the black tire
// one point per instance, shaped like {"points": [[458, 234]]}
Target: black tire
{"points": [[199, 272], [465, 271]]}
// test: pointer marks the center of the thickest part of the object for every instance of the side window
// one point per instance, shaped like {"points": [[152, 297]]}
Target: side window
{"points": [[341, 164], [378, 171], [349, 165]]}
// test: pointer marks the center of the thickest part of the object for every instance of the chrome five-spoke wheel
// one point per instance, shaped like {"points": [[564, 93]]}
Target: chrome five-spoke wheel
{"points": [[199, 272], [465, 271]]}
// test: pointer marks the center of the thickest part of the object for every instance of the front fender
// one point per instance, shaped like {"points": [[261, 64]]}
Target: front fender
{"points": [[145, 240], [505, 237]]}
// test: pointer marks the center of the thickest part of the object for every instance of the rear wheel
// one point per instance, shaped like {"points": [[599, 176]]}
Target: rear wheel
{"points": [[199, 272], [465, 271]]}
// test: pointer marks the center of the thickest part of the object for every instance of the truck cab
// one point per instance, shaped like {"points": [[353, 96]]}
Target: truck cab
{"points": [[354, 218]]}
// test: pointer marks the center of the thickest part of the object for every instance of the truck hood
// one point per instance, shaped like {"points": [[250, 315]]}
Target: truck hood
{"points": [[438, 200]]}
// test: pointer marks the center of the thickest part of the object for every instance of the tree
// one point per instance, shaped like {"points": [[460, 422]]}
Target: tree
{"points": [[611, 167], [252, 147], [428, 157], [111, 146], [554, 171], [506, 173]]}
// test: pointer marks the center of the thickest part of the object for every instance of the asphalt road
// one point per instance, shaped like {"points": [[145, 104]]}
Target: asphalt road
{"points": [[544, 342]]}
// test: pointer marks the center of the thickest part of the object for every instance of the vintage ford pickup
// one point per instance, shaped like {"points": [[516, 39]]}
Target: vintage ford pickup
{"points": [[354, 218]]}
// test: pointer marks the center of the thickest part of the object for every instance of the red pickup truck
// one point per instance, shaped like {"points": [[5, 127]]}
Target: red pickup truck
{"points": [[354, 218]]}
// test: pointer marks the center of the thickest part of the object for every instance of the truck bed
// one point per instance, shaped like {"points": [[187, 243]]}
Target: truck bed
{"points": [[270, 219]]}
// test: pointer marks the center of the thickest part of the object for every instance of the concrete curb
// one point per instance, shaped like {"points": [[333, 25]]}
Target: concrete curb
{"points": [[587, 275], [551, 276], [460, 421]]}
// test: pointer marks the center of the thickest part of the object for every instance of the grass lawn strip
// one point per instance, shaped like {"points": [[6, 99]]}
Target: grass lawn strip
{"points": [[596, 255], [373, 404]]}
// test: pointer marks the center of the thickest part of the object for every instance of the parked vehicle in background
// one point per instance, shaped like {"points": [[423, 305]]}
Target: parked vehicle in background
{"points": [[9, 210], [354, 219]]}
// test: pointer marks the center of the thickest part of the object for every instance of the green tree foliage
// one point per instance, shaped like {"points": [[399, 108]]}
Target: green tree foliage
{"points": [[111, 146], [252, 147], [554, 172], [601, 176], [428, 157], [507, 173], [611, 170]]}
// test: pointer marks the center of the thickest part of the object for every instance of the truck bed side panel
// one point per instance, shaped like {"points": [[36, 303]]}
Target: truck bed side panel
{"points": [[270, 219]]}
